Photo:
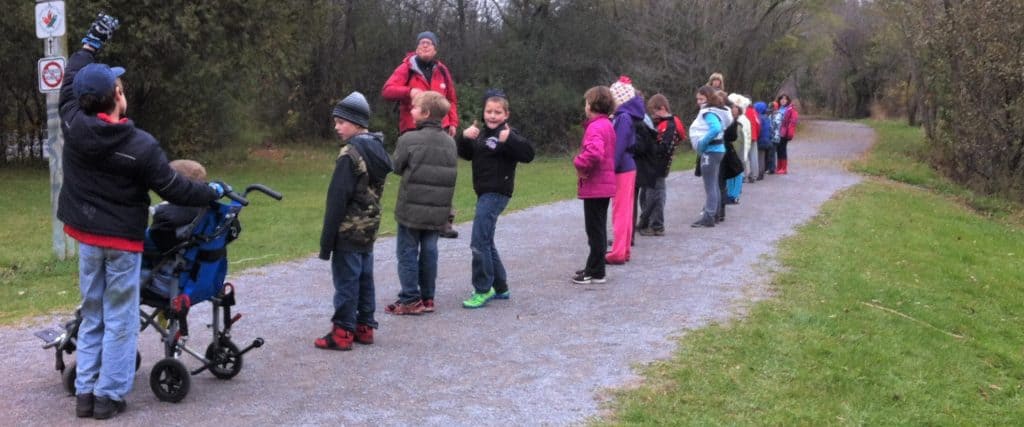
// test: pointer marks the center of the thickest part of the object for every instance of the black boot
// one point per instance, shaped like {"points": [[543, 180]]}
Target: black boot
{"points": [[449, 231]]}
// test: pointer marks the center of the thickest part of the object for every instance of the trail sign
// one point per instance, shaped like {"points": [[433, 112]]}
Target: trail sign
{"points": [[50, 20], [51, 74]]}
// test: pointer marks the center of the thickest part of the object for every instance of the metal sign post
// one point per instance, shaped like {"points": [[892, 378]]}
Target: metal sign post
{"points": [[50, 26]]}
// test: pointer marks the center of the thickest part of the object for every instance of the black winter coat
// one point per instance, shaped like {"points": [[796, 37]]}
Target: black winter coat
{"points": [[109, 169], [494, 169]]}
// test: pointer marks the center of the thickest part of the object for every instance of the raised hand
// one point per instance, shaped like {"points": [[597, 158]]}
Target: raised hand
{"points": [[503, 135], [101, 30], [472, 132]]}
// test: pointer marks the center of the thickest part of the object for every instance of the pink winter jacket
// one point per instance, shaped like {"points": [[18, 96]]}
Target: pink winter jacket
{"points": [[596, 160]]}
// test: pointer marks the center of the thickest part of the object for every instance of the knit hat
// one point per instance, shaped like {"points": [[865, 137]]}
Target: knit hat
{"points": [[427, 35], [355, 109], [760, 107], [739, 100], [622, 90], [494, 93]]}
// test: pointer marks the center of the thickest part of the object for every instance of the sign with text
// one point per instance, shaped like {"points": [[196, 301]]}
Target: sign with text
{"points": [[51, 74], [50, 19]]}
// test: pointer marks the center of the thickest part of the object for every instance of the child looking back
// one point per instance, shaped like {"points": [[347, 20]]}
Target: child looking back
{"points": [[652, 197], [494, 150]]}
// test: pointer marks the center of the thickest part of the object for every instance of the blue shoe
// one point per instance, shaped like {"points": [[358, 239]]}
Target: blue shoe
{"points": [[502, 295]]}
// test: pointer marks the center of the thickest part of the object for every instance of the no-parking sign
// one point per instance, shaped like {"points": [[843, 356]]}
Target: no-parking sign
{"points": [[51, 74]]}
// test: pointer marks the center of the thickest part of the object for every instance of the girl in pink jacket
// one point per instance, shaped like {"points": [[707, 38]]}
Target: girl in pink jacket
{"points": [[595, 168]]}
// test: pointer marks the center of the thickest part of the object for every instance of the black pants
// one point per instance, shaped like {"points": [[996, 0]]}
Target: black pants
{"points": [[723, 190], [595, 217], [781, 148]]}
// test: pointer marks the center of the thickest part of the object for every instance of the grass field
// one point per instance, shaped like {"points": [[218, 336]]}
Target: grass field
{"points": [[33, 282], [898, 304]]}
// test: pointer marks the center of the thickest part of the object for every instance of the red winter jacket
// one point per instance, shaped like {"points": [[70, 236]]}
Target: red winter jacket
{"points": [[400, 83], [788, 128], [755, 123]]}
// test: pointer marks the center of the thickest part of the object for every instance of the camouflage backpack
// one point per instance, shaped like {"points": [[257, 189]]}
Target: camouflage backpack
{"points": [[362, 215]]}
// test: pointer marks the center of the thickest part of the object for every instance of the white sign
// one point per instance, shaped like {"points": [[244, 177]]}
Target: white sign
{"points": [[51, 74], [50, 19]]}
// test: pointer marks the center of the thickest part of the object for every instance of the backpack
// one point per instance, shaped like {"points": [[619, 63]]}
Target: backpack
{"points": [[646, 140], [667, 144]]}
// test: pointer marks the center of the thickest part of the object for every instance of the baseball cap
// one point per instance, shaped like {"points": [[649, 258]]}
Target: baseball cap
{"points": [[96, 79]]}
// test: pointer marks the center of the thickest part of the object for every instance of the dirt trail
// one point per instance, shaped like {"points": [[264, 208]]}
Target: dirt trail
{"points": [[541, 358]]}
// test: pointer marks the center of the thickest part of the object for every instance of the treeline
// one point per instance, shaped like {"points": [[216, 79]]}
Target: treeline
{"points": [[954, 66], [203, 74], [208, 74]]}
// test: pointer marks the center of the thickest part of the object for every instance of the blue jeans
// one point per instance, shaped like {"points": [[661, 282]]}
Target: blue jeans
{"points": [[488, 270], [416, 251], [108, 335], [353, 289]]}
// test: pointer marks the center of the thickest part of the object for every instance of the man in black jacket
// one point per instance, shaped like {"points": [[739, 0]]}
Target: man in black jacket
{"points": [[109, 167]]}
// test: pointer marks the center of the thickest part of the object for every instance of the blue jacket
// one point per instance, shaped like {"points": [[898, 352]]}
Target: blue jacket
{"points": [[625, 135]]}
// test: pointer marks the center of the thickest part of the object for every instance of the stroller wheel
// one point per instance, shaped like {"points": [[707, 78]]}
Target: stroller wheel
{"points": [[68, 377], [170, 380], [225, 360]]}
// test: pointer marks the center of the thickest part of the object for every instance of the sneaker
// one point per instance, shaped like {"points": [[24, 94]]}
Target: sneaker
{"points": [[428, 305], [84, 404], [705, 221], [646, 232], [659, 232], [732, 201], [337, 339], [106, 407], [478, 300], [502, 295], [364, 334], [584, 279], [401, 309], [449, 234]]}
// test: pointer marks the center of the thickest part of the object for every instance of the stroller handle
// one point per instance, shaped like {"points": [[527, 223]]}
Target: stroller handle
{"points": [[237, 197], [263, 189]]}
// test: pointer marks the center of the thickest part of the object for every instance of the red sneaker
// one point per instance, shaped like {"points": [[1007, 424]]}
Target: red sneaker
{"points": [[428, 305], [364, 334], [338, 339]]}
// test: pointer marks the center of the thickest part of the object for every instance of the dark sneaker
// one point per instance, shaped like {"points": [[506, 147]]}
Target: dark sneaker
{"points": [[106, 407], [337, 339], [704, 222], [428, 305], [364, 333], [449, 234], [84, 404], [585, 279], [646, 232], [502, 295], [402, 309], [659, 232]]}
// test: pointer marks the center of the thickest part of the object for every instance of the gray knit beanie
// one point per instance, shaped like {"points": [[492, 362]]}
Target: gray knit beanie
{"points": [[355, 109], [427, 35]]}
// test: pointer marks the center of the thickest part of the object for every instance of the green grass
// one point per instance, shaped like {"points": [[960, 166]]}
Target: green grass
{"points": [[33, 282], [897, 305]]}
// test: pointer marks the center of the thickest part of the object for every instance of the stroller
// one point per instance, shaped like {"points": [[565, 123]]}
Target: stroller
{"points": [[190, 272]]}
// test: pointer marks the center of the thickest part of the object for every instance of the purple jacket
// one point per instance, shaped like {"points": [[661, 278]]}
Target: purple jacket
{"points": [[625, 135], [596, 160]]}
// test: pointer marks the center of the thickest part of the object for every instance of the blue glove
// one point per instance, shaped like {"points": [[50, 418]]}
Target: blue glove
{"points": [[101, 30], [220, 188]]}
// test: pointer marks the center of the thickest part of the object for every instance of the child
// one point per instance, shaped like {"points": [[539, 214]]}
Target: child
{"points": [[652, 197], [755, 133], [787, 118], [706, 138], [765, 147], [169, 228], [739, 107], [629, 109], [426, 159], [595, 169], [351, 221], [494, 150]]}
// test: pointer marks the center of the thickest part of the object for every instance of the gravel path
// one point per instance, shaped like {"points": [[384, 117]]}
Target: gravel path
{"points": [[543, 358]]}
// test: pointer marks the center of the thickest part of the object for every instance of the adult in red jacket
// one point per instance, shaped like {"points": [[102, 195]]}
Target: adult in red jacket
{"points": [[420, 71], [787, 130]]}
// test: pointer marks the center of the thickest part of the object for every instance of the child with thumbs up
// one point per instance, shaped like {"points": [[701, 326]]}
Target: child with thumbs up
{"points": [[494, 149]]}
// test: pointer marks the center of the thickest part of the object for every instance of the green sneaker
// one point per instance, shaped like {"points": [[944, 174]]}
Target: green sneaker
{"points": [[478, 300]]}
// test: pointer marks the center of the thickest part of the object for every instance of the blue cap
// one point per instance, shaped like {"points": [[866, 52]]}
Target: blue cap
{"points": [[96, 79], [494, 93], [760, 107]]}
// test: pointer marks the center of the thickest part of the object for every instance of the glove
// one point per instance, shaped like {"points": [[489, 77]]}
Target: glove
{"points": [[220, 187], [101, 30]]}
